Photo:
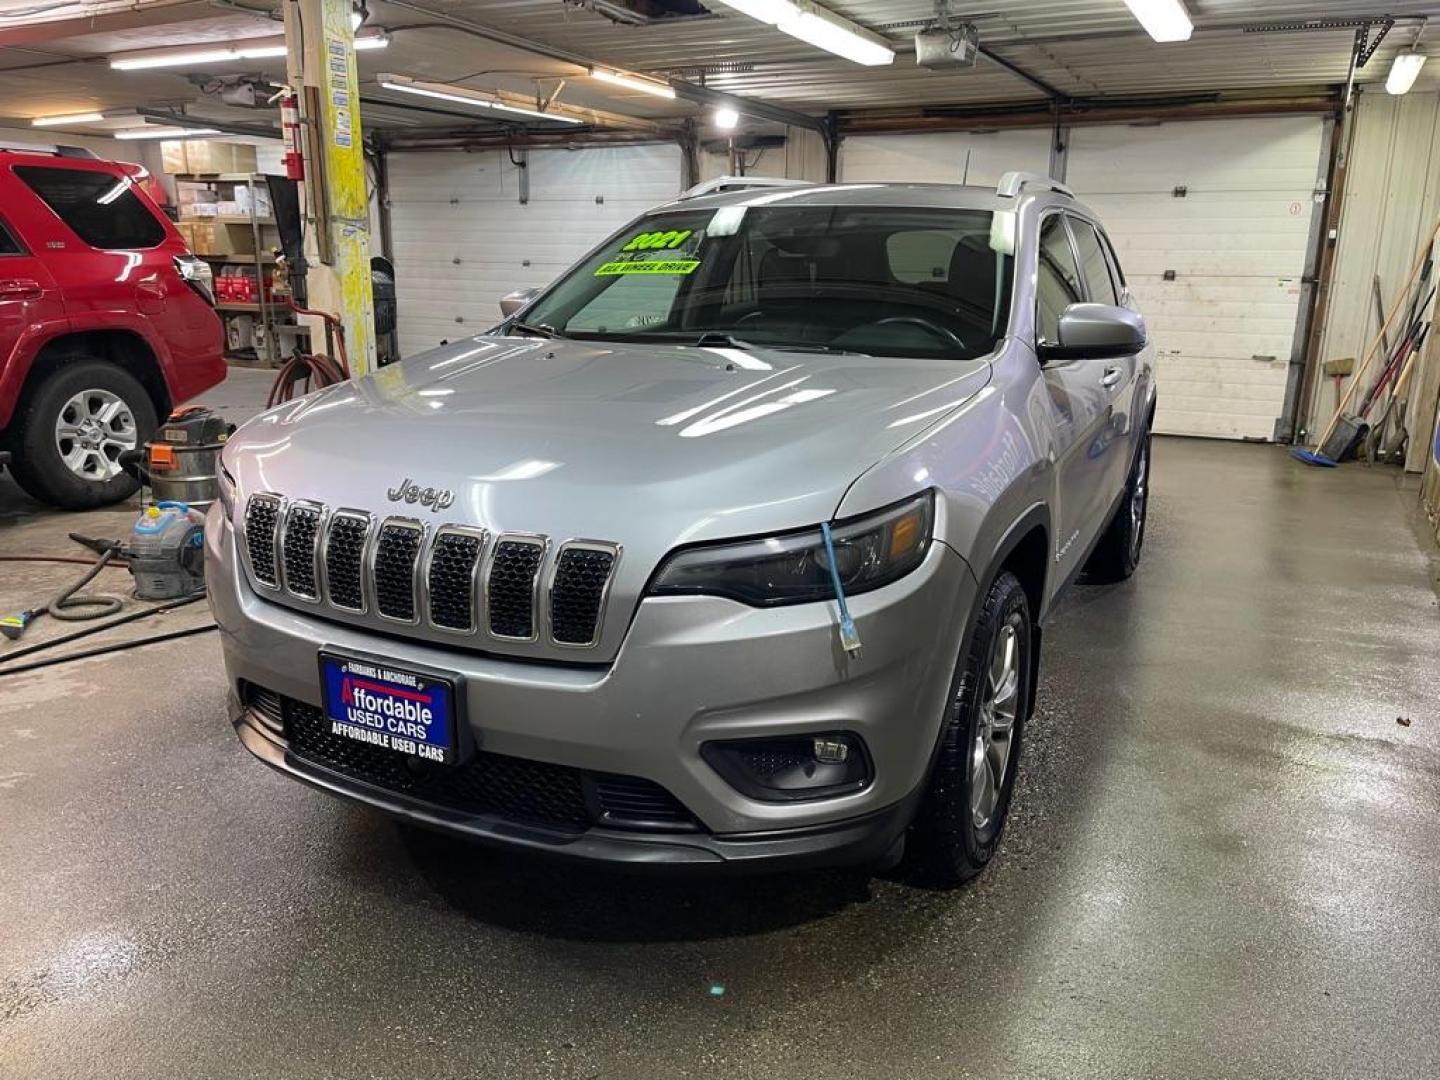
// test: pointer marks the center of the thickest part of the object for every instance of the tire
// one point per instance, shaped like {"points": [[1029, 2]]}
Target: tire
{"points": [[107, 409], [1118, 552], [958, 826]]}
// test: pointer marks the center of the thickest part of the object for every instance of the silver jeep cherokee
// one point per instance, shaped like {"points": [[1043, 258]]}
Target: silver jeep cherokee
{"points": [[730, 548]]}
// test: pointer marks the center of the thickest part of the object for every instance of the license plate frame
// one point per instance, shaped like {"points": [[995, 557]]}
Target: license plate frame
{"points": [[415, 685]]}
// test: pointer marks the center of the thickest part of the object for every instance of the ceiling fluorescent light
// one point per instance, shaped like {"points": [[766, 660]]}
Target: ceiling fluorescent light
{"points": [[1163, 20], [767, 11], [253, 49], [165, 133], [819, 26], [725, 119], [462, 96], [633, 82], [1404, 70], [64, 121], [840, 36]]}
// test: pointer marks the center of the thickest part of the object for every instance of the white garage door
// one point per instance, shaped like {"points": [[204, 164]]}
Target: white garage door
{"points": [[949, 158], [1235, 242], [463, 239]]}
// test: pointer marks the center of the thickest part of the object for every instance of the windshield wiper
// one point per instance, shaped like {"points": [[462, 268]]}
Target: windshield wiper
{"points": [[714, 338], [536, 329], [811, 347]]}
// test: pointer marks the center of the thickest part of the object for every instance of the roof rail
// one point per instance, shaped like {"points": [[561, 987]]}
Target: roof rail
{"points": [[48, 148], [741, 183], [1012, 183]]}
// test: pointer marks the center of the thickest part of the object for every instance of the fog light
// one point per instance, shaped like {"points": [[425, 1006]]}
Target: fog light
{"points": [[792, 767]]}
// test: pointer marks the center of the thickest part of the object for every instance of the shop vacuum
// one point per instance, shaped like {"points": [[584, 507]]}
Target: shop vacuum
{"points": [[165, 549]]}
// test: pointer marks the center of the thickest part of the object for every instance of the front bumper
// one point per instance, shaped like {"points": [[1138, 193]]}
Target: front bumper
{"points": [[691, 670]]}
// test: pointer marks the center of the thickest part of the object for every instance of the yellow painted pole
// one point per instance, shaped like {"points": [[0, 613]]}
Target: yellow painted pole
{"points": [[336, 207]]}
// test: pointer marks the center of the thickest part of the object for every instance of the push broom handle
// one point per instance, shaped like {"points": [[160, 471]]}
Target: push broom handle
{"points": [[1372, 352]]}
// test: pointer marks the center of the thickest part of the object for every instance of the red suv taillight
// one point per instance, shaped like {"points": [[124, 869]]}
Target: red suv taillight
{"points": [[197, 275]]}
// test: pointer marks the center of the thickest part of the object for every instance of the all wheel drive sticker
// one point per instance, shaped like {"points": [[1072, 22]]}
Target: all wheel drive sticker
{"points": [[652, 253]]}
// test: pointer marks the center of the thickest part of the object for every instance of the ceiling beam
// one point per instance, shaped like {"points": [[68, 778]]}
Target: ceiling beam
{"points": [[754, 107]]}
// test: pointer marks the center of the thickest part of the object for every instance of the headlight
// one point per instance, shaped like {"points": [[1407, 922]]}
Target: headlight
{"points": [[792, 569], [225, 484]]}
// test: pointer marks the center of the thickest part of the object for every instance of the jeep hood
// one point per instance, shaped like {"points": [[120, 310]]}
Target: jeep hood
{"points": [[650, 446]]}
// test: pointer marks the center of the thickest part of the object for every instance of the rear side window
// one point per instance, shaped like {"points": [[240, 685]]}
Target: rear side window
{"points": [[1092, 263], [1057, 281], [8, 244], [99, 207]]}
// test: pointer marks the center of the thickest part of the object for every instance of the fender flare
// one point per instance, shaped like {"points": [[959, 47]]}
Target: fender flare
{"points": [[21, 361]]}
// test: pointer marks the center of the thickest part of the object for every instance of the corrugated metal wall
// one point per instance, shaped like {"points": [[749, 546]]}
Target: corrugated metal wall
{"points": [[1392, 195], [463, 238]]}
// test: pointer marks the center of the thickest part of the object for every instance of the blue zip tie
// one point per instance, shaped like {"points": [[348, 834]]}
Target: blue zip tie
{"points": [[849, 636]]}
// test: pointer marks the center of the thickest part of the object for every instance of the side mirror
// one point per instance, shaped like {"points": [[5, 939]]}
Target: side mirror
{"points": [[1090, 331], [512, 302]]}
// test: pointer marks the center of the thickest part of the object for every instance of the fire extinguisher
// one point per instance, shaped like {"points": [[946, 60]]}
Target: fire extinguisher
{"points": [[290, 128]]}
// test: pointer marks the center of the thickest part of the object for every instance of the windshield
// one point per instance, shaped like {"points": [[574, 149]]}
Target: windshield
{"points": [[885, 281]]}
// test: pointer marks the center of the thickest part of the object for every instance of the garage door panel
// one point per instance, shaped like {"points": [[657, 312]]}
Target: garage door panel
{"points": [[943, 157], [462, 238], [1234, 245], [1257, 154]]}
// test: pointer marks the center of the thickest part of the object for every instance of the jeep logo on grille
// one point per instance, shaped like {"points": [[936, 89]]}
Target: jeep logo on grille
{"points": [[409, 491]]}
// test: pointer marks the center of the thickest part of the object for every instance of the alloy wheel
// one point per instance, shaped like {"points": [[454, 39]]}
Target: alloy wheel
{"points": [[93, 429], [995, 730], [1139, 492]]}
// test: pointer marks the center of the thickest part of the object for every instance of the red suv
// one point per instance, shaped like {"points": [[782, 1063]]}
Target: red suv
{"points": [[106, 323]]}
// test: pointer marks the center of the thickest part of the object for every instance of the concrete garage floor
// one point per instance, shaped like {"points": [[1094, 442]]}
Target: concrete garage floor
{"points": [[1224, 862]]}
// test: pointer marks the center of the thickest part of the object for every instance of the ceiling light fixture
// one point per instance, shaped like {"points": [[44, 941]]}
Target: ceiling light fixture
{"points": [[166, 133], [253, 49], [821, 27], [65, 121], [462, 96], [1163, 20], [1404, 70], [725, 119], [633, 82]]}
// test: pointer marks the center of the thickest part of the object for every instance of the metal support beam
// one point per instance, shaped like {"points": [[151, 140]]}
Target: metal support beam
{"points": [[335, 206], [1053, 93], [753, 107]]}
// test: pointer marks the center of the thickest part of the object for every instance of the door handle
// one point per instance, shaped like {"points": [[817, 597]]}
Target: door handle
{"points": [[20, 289], [1111, 377]]}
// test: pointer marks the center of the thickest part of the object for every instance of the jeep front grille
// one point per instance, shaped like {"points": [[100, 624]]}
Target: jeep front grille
{"points": [[510, 587]]}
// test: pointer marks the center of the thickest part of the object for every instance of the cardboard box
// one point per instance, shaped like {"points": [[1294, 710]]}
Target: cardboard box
{"points": [[209, 156], [172, 157], [187, 232], [214, 238]]}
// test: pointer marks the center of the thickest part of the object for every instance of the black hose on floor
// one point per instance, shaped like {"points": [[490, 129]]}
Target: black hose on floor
{"points": [[168, 605], [101, 650]]}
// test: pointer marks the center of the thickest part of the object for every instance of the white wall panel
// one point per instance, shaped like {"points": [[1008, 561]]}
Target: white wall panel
{"points": [[463, 239], [1224, 326], [943, 158]]}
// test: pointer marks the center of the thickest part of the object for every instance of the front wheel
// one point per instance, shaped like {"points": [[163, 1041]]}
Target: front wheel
{"points": [[968, 798]]}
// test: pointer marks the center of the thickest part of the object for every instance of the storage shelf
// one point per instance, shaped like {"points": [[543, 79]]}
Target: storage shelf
{"points": [[219, 178], [233, 305], [236, 258], [227, 219]]}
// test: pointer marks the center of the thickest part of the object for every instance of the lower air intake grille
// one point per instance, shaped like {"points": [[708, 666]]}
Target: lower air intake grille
{"points": [[344, 558], [262, 518], [395, 553], [511, 596], [297, 549], [451, 579], [631, 802], [581, 574], [486, 784], [537, 792]]}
